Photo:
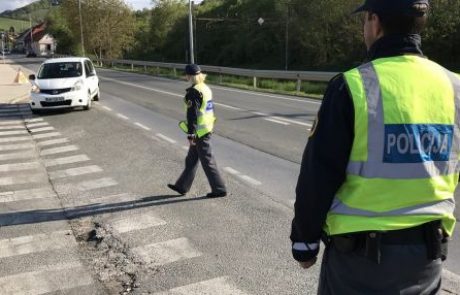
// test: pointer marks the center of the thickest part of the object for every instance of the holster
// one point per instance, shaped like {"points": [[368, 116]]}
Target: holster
{"points": [[436, 240]]}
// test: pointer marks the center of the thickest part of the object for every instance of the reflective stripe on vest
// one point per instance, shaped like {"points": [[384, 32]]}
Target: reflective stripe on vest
{"points": [[402, 172]]}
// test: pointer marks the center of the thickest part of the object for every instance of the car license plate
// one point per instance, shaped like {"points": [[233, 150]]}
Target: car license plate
{"points": [[54, 99]]}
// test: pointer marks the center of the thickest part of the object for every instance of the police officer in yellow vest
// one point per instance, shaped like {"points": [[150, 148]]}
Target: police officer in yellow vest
{"points": [[198, 127], [380, 168]]}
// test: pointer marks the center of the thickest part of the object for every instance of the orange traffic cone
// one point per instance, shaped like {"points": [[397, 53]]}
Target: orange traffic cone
{"points": [[21, 78]]}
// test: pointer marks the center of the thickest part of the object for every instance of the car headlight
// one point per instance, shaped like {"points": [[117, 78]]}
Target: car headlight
{"points": [[78, 86], [35, 89]]}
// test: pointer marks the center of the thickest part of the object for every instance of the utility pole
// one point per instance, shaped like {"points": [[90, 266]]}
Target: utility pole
{"points": [[190, 25], [3, 48], [81, 29], [286, 42], [31, 34]]}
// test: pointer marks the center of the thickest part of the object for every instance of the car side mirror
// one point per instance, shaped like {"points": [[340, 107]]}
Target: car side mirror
{"points": [[32, 77]]}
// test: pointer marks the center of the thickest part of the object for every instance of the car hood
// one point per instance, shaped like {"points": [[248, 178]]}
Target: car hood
{"points": [[57, 83]]}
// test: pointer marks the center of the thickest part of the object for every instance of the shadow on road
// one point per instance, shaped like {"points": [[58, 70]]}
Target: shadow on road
{"points": [[46, 215]]}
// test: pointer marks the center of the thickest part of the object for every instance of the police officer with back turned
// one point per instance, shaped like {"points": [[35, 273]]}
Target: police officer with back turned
{"points": [[198, 127], [380, 169]]}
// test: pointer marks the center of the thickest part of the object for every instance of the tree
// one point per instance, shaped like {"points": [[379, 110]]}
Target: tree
{"points": [[108, 25]]}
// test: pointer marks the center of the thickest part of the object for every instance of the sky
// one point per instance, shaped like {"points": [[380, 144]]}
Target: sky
{"points": [[13, 4]]}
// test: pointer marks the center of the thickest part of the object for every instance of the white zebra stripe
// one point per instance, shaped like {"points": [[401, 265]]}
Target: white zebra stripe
{"points": [[220, 286], [167, 252], [58, 150], [66, 160], [74, 172], [52, 278], [36, 243]]}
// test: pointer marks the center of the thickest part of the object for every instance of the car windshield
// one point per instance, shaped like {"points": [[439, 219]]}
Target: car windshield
{"points": [[60, 70]]}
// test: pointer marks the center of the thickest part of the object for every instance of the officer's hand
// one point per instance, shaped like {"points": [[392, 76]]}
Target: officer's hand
{"points": [[192, 141], [308, 264]]}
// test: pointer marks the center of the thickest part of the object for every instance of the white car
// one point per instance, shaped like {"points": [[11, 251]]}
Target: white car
{"points": [[64, 83]]}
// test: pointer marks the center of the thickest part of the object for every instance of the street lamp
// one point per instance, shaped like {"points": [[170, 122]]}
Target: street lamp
{"points": [[190, 26], [81, 29]]}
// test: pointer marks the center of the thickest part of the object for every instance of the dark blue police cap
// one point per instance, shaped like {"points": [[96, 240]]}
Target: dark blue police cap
{"points": [[192, 69], [391, 6]]}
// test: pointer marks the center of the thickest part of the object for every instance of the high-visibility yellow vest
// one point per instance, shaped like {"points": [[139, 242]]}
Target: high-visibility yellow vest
{"points": [[206, 118], [404, 164]]}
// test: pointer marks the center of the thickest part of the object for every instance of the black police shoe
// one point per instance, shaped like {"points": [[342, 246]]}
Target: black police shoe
{"points": [[176, 189], [216, 194]]}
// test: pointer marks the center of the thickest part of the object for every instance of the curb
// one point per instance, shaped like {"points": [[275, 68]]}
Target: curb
{"points": [[450, 283]]}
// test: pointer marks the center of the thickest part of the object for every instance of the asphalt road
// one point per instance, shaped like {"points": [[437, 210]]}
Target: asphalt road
{"points": [[132, 232]]}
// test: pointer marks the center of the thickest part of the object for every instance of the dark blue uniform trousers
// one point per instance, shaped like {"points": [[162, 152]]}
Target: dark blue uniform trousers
{"points": [[403, 270], [202, 152]]}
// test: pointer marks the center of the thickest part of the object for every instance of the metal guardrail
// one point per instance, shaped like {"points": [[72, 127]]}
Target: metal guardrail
{"points": [[255, 74]]}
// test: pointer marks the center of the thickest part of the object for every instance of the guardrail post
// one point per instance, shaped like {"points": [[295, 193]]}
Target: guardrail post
{"points": [[158, 71], [254, 82], [221, 79], [112, 64], [145, 68], [132, 67], [175, 73], [298, 86]]}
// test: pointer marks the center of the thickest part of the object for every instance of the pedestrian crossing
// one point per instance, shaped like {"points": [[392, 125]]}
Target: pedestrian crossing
{"points": [[38, 164]]}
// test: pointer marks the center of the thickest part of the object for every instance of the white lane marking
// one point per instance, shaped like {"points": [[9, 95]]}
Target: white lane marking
{"points": [[66, 160], [51, 279], [142, 126], [74, 172], [242, 176], [228, 107], [122, 116], [15, 139], [16, 132], [23, 179], [167, 252], [17, 156], [59, 150], [231, 171], [36, 243], [224, 105], [282, 119], [277, 121], [164, 137], [306, 100], [141, 87], [95, 184], [52, 142], [221, 286], [216, 87], [34, 125], [136, 222], [107, 108], [13, 196], [11, 122], [46, 135], [10, 127], [12, 147], [19, 166], [35, 130], [250, 180], [34, 120]]}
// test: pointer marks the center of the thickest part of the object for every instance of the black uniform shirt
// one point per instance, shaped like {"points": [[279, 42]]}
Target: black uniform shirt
{"points": [[325, 159], [193, 100]]}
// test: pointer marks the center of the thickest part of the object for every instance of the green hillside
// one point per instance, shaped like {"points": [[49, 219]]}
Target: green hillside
{"points": [[37, 10], [18, 25]]}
